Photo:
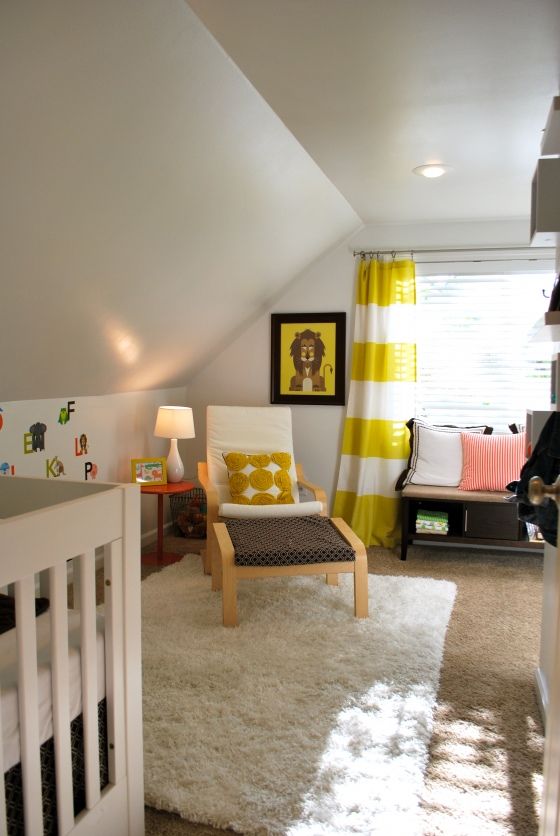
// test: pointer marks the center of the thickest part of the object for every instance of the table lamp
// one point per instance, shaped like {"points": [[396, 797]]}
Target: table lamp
{"points": [[174, 422]]}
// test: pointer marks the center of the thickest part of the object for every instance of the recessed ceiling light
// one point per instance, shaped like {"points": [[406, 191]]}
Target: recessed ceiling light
{"points": [[431, 170]]}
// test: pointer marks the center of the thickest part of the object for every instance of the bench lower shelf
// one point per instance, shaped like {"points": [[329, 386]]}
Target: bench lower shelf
{"points": [[479, 519], [523, 545]]}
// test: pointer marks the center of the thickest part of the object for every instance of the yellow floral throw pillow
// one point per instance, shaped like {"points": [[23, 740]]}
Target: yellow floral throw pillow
{"points": [[259, 478]]}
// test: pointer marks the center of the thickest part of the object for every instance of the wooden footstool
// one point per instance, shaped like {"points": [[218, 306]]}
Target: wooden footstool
{"points": [[273, 547]]}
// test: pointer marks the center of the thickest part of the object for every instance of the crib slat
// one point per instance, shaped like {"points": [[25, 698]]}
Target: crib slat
{"points": [[58, 591], [26, 638], [76, 592], [114, 659], [86, 563], [44, 584], [3, 822], [133, 659]]}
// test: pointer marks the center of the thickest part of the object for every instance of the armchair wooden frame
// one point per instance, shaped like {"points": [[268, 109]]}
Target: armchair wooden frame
{"points": [[226, 573]]}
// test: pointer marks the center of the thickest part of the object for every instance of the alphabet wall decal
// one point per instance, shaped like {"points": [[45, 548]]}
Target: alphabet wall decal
{"points": [[46, 432], [37, 431], [55, 468], [65, 412], [90, 470], [81, 445]]}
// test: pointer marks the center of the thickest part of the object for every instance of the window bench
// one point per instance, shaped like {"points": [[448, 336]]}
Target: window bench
{"points": [[474, 517]]}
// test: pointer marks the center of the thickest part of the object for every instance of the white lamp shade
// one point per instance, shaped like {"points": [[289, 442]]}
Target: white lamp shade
{"points": [[174, 422]]}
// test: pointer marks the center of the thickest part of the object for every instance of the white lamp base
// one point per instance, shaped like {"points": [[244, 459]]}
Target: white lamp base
{"points": [[175, 469]]}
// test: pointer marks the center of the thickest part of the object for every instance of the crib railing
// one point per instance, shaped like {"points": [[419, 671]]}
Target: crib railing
{"points": [[44, 543]]}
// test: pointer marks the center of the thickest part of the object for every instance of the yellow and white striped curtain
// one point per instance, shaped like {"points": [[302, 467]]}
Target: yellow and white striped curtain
{"points": [[375, 443]]}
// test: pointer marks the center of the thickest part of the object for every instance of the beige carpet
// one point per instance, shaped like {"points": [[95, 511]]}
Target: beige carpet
{"points": [[485, 766]]}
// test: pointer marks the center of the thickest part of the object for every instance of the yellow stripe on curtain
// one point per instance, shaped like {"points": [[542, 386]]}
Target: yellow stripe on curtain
{"points": [[384, 361], [371, 437], [386, 283], [374, 516], [370, 513]]}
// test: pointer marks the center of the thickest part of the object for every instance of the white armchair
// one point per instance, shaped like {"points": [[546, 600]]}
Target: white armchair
{"points": [[254, 542], [251, 429]]}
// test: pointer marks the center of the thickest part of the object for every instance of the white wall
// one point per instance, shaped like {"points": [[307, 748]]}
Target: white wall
{"points": [[240, 374], [118, 428]]}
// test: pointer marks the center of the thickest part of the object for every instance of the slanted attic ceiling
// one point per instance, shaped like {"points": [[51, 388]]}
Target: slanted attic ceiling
{"points": [[161, 183], [151, 199]]}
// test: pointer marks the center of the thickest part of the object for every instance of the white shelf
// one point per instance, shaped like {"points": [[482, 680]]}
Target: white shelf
{"points": [[545, 203], [550, 144]]}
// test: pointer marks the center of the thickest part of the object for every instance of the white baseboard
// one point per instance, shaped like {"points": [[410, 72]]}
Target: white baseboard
{"points": [[147, 539], [542, 694], [151, 535]]}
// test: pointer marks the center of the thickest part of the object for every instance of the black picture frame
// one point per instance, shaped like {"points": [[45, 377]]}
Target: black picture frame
{"points": [[325, 344]]}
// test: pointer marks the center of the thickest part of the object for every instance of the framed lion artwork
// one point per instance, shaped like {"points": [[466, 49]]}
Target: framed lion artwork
{"points": [[308, 358]]}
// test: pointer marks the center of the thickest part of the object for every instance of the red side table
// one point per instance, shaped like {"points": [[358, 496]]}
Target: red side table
{"points": [[159, 557]]}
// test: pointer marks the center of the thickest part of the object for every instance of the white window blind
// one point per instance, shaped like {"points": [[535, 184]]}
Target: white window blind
{"points": [[478, 362]]}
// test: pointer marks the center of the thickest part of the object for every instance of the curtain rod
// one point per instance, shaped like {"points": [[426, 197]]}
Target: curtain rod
{"points": [[541, 254]]}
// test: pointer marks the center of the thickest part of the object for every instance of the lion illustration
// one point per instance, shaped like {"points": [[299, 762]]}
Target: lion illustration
{"points": [[307, 351]]}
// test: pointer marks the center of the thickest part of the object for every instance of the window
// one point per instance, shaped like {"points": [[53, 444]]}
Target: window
{"points": [[477, 358]]}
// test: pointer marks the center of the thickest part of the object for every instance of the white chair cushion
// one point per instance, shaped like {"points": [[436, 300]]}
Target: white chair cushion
{"points": [[246, 429], [246, 512]]}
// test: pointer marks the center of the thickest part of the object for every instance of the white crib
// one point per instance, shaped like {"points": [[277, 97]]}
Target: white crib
{"points": [[50, 531]]}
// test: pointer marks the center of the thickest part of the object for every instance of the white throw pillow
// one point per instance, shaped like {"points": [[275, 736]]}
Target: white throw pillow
{"points": [[252, 512], [437, 455]]}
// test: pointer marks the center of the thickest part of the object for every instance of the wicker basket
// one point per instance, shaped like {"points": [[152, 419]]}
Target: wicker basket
{"points": [[188, 513]]}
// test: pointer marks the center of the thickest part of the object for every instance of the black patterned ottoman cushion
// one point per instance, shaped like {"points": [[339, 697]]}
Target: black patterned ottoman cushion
{"points": [[287, 541]]}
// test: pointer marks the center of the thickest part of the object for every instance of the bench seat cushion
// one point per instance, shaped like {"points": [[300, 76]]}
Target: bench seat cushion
{"points": [[452, 494]]}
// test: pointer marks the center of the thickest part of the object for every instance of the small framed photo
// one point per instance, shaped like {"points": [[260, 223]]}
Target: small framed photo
{"points": [[307, 358], [149, 471]]}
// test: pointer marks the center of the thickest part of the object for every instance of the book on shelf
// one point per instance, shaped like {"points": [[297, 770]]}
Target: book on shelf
{"points": [[432, 522]]}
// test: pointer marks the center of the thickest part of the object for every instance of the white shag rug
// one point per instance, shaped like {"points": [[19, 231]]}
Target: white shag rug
{"points": [[303, 720]]}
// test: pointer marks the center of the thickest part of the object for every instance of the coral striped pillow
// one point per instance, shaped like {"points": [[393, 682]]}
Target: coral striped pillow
{"points": [[490, 462]]}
